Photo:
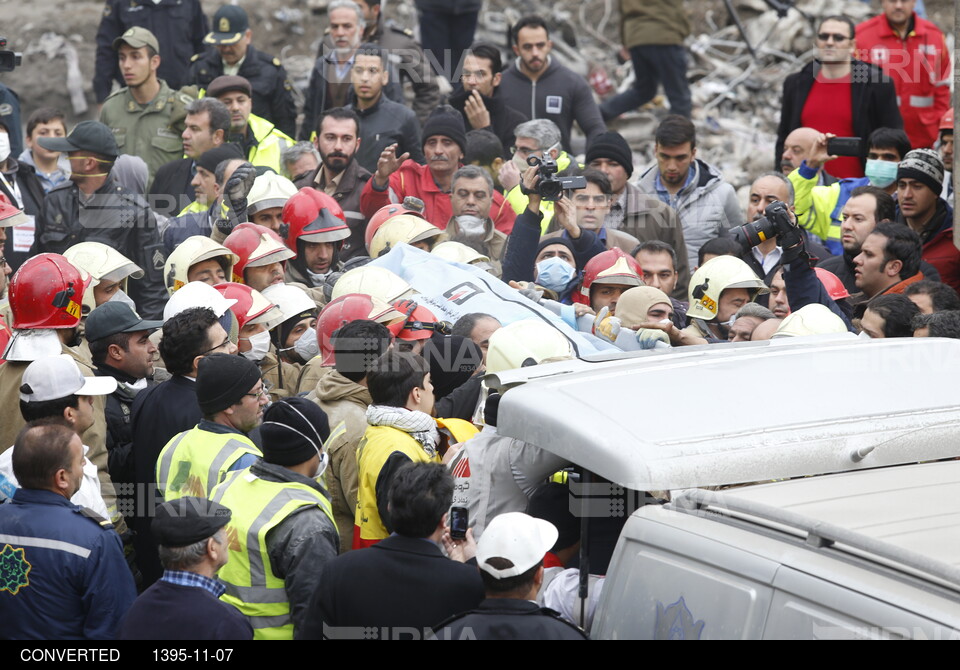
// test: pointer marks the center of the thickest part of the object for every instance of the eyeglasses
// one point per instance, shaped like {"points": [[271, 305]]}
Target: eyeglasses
{"points": [[826, 37], [223, 345], [584, 199], [258, 395], [523, 151], [479, 75]]}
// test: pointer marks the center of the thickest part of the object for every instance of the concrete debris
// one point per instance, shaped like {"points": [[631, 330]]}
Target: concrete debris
{"points": [[53, 45]]}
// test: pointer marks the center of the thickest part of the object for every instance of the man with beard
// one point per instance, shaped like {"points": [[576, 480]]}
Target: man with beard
{"points": [[339, 175]]}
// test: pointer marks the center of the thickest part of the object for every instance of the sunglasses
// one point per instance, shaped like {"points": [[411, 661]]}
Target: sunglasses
{"points": [[826, 37]]}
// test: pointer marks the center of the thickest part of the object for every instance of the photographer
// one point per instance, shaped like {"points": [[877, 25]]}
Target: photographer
{"points": [[520, 257]]}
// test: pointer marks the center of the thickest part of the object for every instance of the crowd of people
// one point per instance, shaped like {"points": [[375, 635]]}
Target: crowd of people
{"points": [[232, 408]]}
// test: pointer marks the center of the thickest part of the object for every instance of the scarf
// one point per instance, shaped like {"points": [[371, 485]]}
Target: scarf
{"points": [[418, 425]]}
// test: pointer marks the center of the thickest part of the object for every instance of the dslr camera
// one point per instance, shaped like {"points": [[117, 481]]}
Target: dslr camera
{"points": [[8, 59], [775, 222], [550, 187]]}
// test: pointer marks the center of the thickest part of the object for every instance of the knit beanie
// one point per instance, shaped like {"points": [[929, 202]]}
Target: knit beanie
{"points": [[550, 241], [223, 380], [925, 166], [293, 431], [612, 146], [446, 121]]}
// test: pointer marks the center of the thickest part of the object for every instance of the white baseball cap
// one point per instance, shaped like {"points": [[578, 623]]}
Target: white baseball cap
{"points": [[521, 539], [56, 377]]}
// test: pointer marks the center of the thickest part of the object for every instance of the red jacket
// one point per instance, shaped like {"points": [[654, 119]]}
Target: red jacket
{"points": [[940, 252], [416, 180], [920, 68]]}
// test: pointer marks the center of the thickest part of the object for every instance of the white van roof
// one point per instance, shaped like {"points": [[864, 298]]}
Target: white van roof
{"points": [[721, 414]]}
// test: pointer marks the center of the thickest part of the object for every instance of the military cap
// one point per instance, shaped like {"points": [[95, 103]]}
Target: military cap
{"points": [[229, 25], [137, 37]]}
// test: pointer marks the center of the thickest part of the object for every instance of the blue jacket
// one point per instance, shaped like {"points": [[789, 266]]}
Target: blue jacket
{"points": [[805, 288], [62, 573]]}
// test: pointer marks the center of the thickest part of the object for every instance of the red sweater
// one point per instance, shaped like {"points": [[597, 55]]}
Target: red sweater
{"points": [[413, 179]]}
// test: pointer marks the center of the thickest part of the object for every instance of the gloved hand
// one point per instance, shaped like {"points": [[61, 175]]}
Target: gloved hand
{"points": [[606, 327], [528, 290], [791, 243], [237, 188], [649, 337]]}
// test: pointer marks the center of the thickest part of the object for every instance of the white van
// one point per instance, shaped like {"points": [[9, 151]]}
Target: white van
{"points": [[860, 537]]}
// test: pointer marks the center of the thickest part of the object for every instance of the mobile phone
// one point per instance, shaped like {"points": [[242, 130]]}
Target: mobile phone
{"points": [[845, 146], [459, 521]]}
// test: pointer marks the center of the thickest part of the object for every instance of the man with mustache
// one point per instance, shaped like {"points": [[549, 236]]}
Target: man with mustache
{"points": [[398, 176], [339, 175]]}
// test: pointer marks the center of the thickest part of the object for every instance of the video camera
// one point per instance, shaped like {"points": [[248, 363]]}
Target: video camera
{"points": [[8, 59], [550, 187]]}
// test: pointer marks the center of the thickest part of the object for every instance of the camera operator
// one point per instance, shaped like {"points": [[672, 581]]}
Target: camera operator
{"points": [[777, 227], [519, 261]]}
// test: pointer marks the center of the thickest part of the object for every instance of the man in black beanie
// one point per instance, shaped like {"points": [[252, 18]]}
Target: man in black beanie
{"points": [[231, 396], [396, 177], [283, 521], [634, 212]]}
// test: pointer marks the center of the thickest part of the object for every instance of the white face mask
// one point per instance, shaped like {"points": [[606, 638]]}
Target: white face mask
{"points": [[259, 346], [321, 467], [4, 147], [120, 296], [471, 227], [307, 347]]}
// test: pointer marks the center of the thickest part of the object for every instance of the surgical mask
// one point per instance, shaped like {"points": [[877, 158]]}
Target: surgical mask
{"points": [[881, 173], [321, 466], [554, 274], [120, 296], [520, 162], [259, 346], [4, 147], [307, 347], [471, 227]]}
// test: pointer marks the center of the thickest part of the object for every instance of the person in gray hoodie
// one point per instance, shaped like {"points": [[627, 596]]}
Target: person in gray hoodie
{"points": [[706, 204]]}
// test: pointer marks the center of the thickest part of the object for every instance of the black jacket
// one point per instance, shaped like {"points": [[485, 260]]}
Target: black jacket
{"points": [[31, 190], [272, 90], [173, 181], [508, 619], [503, 119], [157, 415], [168, 611], [386, 123], [119, 433], [116, 217], [399, 582], [872, 94]]}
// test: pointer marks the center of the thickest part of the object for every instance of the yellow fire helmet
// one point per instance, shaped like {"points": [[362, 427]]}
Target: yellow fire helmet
{"points": [[193, 250], [524, 343], [716, 276], [404, 228], [371, 280]]}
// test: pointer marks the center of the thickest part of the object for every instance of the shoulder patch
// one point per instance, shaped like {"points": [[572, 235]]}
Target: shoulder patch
{"points": [[276, 61], [96, 518], [194, 57]]}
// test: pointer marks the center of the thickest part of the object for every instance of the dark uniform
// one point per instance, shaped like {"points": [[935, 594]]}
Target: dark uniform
{"points": [[179, 26], [272, 90], [508, 619]]}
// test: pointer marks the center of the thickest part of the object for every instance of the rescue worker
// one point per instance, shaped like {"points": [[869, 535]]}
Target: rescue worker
{"points": [[231, 396], [343, 396], [265, 202], [373, 281], [260, 139], [234, 54], [121, 348], [120, 218], [337, 313], [400, 431], [255, 315], [636, 308], [111, 271], [198, 258], [46, 298], [282, 521], [146, 116], [64, 570], [404, 229], [316, 230], [262, 255], [292, 340], [605, 277], [718, 289], [185, 604], [469, 222]]}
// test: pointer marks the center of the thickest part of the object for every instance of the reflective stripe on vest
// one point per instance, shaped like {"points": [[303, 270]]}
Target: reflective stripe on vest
{"points": [[196, 460], [921, 101], [258, 506], [270, 142]]}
